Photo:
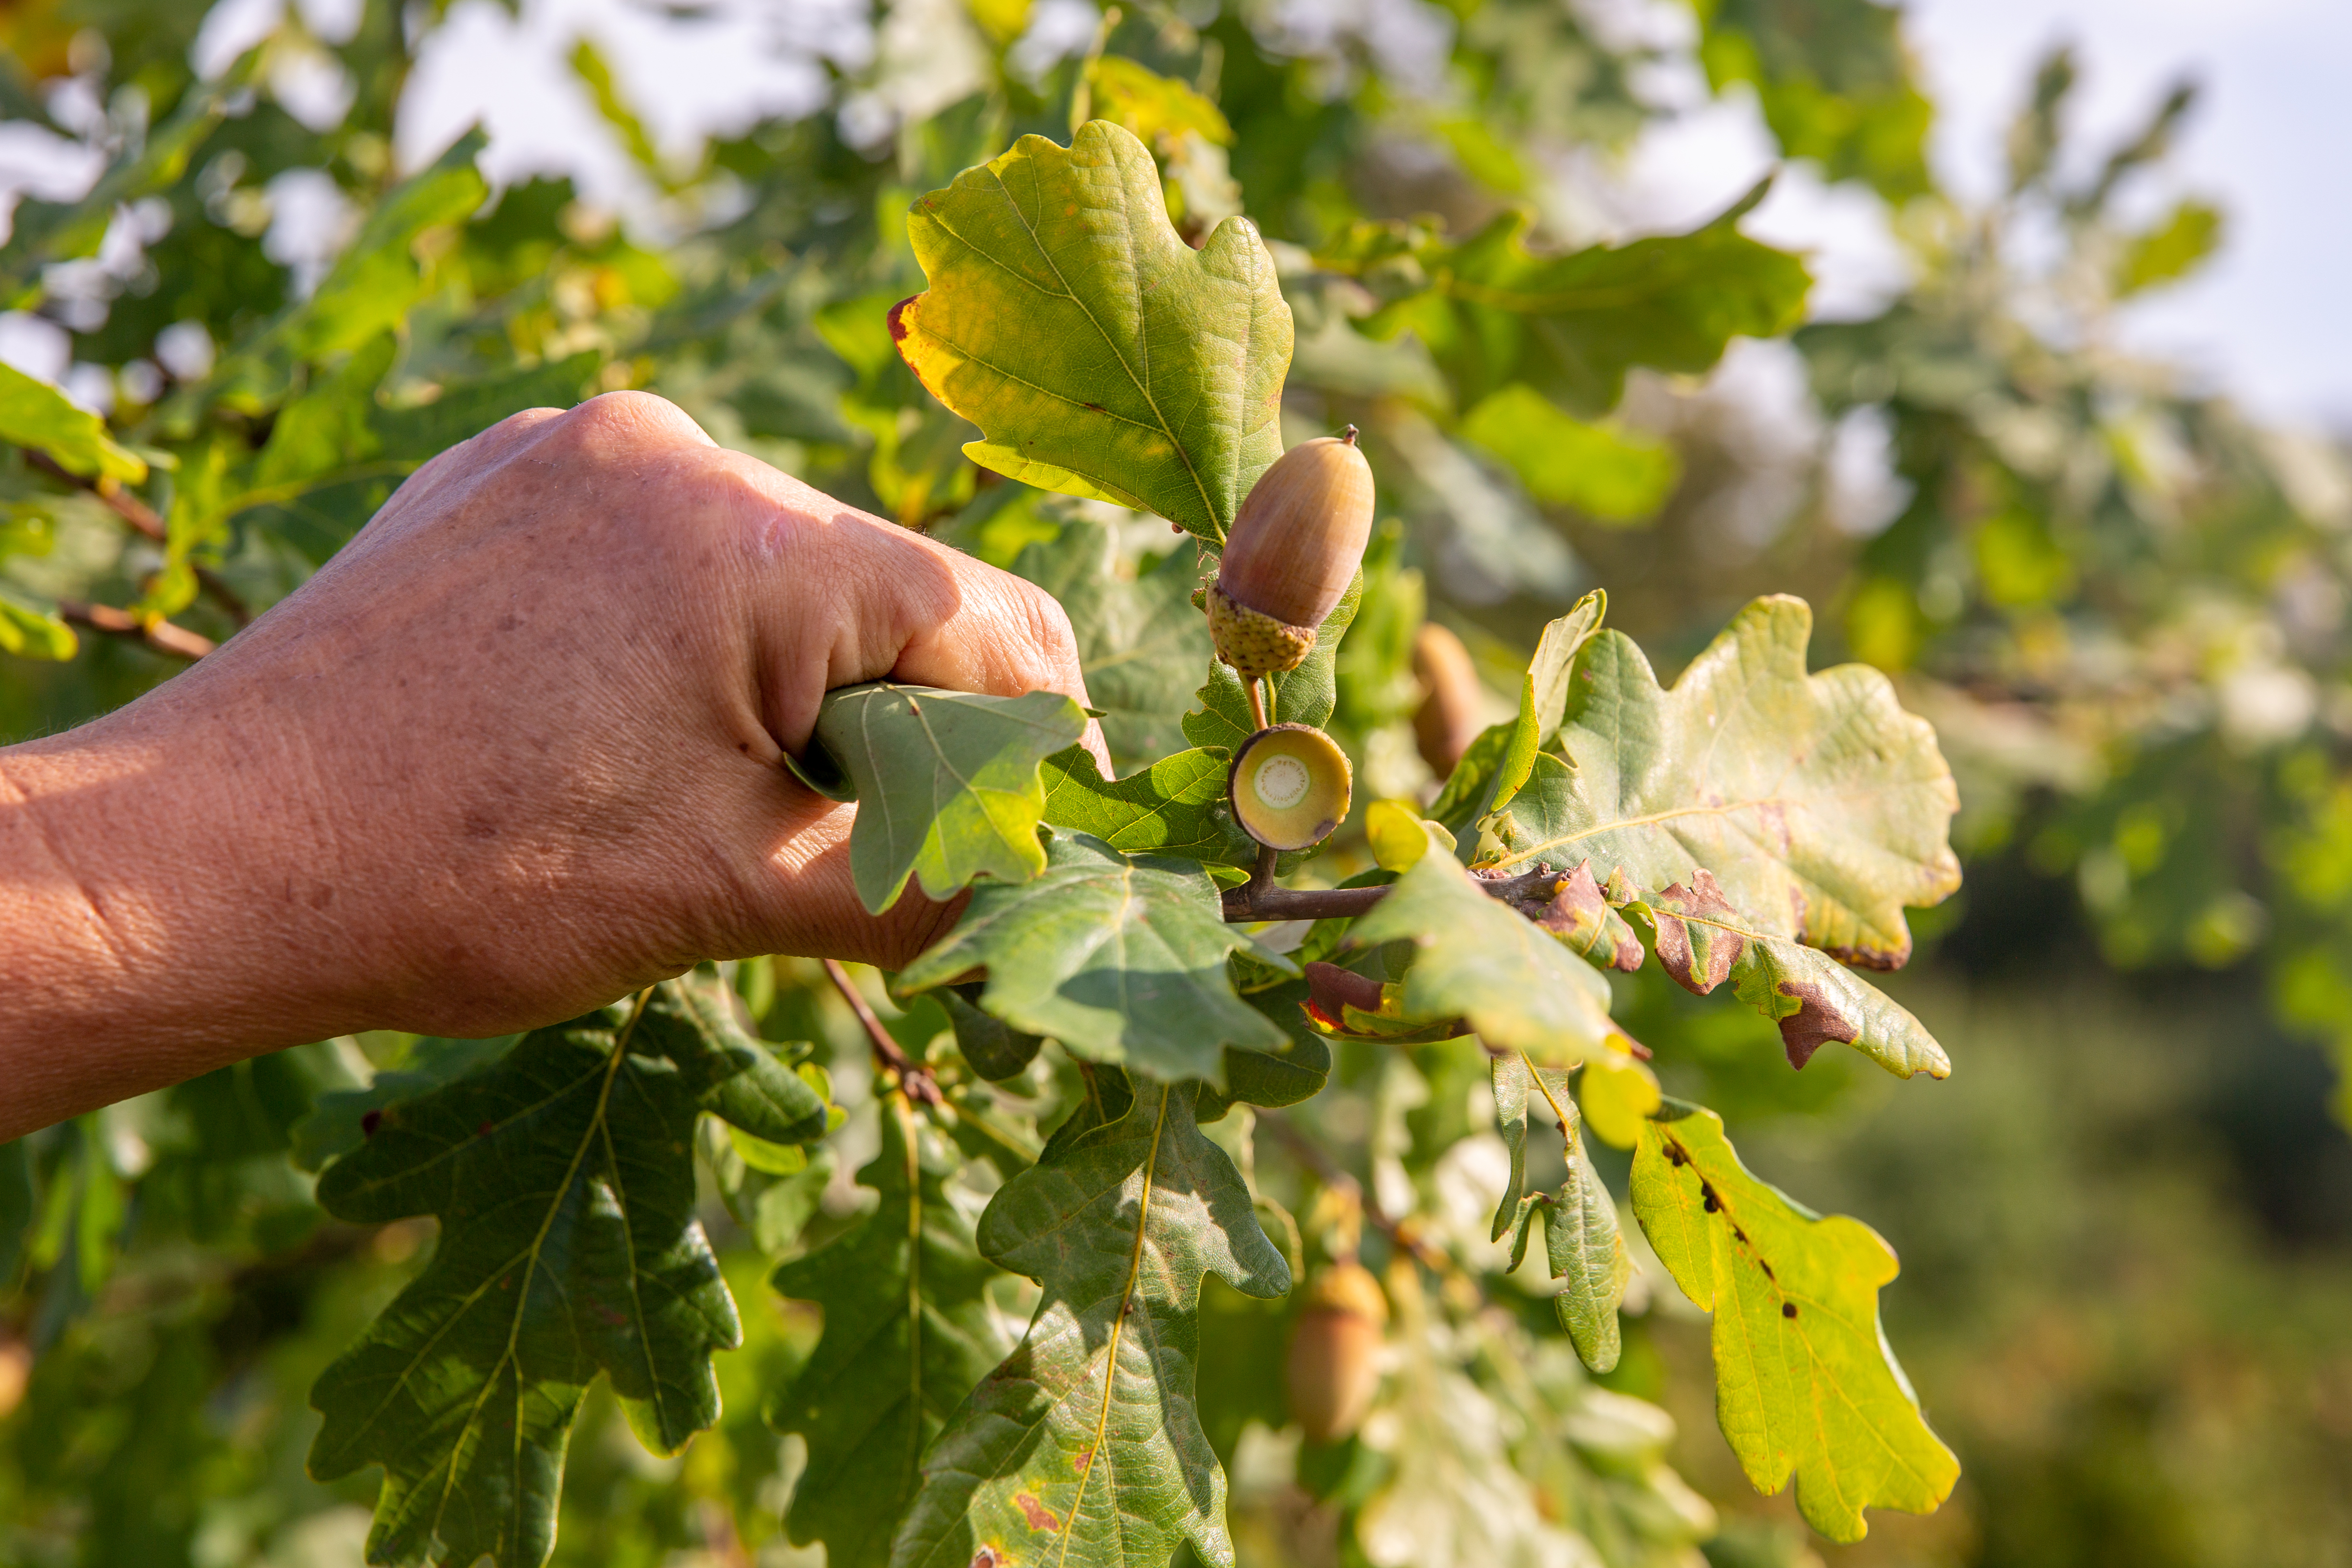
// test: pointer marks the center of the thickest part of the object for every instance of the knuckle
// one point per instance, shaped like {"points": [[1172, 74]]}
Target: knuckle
{"points": [[618, 422]]}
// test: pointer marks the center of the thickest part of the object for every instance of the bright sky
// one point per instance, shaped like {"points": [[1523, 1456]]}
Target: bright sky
{"points": [[2270, 321]]}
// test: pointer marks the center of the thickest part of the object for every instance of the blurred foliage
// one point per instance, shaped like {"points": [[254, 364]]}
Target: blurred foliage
{"points": [[2125, 1225]]}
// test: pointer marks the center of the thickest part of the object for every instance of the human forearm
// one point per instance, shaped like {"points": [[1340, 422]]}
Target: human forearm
{"points": [[138, 944]]}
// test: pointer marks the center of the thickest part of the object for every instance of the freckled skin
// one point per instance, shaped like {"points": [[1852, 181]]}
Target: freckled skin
{"points": [[514, 752]]}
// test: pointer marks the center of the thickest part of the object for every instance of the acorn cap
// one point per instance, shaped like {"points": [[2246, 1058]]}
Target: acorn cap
{"points": [[1301, 534], [1252, 644], [1289, 786]]}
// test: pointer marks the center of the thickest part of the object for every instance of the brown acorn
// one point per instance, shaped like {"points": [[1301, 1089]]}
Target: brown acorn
{"points": [[1334, 1367], [1289, 785], [1448, 719], [1291, 554]]}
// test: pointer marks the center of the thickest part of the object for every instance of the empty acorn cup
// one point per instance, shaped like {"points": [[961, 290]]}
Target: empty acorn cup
{"points": [[1289, 786]]}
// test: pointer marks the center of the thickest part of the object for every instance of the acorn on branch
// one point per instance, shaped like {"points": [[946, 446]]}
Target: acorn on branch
{"points": [[1334, 1368], [1289, 785], [1452, 711], [1293, 551]]}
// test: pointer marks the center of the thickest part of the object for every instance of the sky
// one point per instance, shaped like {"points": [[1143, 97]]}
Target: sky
{"points": [[2270, 321]]}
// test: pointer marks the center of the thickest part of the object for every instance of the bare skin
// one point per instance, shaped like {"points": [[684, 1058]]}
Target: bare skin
{"points": [[513, 753]]}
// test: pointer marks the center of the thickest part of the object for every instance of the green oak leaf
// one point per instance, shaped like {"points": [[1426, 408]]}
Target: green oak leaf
{"points": [[340, 1119], [1581, 1243], [1099, 354], [36, 415], [1520, 987], [1805, 1384], [947, 783], [1306, 695], [1515, 1078], [1493, 312], [993, 1047], [1121, 959], [1175, 807], [1499, 762], [1753, 804], [1086, 1444], [908, 1332], [563, 1182], [1141, 645]]}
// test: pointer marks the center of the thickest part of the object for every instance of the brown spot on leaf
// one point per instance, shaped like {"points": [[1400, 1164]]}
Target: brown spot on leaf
{"points": [[1699, 959], [370, 1121], [1084, 1460], [1788, 1308], [1815, 1020], [1579, 915], [1039, 1516], [485, 1130], [1871, 958], [986, 1557]]}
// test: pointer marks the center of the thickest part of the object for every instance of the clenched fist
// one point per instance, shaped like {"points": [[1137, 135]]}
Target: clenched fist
{"points": [[514, 752]]}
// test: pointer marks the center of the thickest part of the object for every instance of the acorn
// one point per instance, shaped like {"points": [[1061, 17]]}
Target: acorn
{"points": [[1449, 717], [1334, 1367], [1291, 554], [1289, 785]]}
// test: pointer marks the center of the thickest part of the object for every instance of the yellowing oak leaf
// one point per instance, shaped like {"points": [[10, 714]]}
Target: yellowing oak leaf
{"points": [[1099, 354], [1805, 1385], [1765, 821]]}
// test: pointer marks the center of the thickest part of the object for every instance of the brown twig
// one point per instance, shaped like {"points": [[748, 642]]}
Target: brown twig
{"points": [[912, 1077], [160, 636], [145, 521], [1260, 899]]}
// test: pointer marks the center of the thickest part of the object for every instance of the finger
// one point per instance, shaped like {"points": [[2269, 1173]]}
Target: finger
{"points": [[850, 598]]}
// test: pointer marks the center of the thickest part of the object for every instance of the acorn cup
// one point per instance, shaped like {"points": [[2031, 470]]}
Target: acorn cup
{"points": [[1334, 1367], [1289, 785], [1291, 554]]}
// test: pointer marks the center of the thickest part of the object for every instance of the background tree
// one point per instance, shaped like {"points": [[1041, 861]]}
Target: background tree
{"points": [[2124, 1220]]}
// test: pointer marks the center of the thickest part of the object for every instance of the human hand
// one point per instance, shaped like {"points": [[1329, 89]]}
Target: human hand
{"points": [[514, 752]]}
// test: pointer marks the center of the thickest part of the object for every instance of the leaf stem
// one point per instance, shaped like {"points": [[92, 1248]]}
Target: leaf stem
{"points": [[906, 1074]]}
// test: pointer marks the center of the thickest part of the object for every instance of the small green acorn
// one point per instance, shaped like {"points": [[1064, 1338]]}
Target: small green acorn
{"points": [[1291, 554]]}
